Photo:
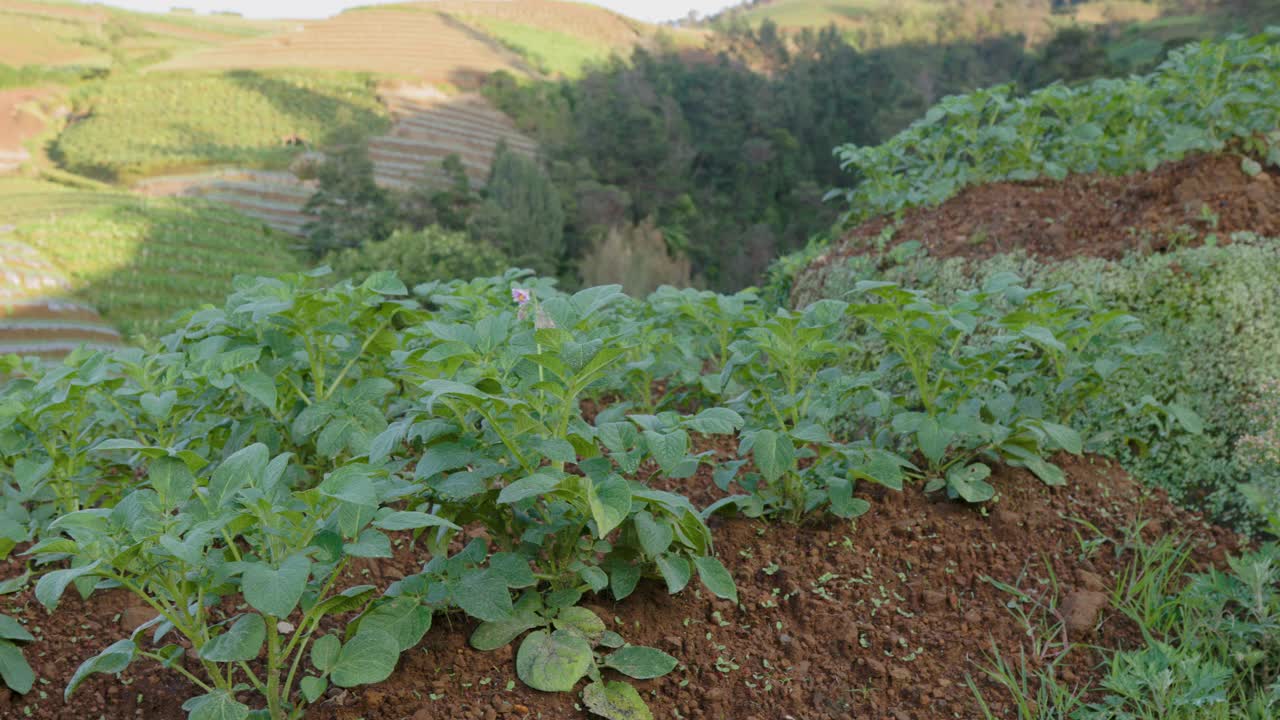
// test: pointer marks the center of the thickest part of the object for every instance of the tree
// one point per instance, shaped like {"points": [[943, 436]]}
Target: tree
{"points": [[425, 204], [521, 213], [349, 208]]}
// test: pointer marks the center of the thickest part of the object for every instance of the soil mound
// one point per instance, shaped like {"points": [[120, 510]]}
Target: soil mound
{"points": [[1107, 216], [882, 618]]}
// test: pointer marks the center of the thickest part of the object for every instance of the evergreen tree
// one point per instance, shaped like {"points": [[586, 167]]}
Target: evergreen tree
{"points": [[521, 214], [349, 208]]}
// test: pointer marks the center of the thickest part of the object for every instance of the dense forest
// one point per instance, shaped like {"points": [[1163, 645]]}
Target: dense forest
{"points": [[696, 167]]}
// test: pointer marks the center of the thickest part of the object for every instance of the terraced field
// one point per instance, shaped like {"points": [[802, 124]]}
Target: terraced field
{"points": [[151, 257], [420, 44], [275, 198], [35, 319], [176, 122], [24, 200], [430, 125], [62, 33]]}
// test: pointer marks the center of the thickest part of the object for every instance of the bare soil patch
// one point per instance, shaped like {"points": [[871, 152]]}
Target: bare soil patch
{"points": [[17, 125], [1094, 215]]}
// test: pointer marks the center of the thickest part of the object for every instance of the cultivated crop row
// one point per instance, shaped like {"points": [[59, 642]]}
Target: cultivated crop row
{"points": [[1205, 97], [147, 125], [229, 474]]}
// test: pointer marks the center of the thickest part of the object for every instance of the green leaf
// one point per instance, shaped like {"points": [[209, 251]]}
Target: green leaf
{"points": [[717, 579], [113, 659], [406, 520], [11, 629], [1048, 473], [258, 386], [404, 618], [610, 502], [675, 570], [1064, 437], [1043, 336], [594, 577], [370, 544], [513, 569], [351, 483], [49, 588], [313, 687], [493, 635], [384, 282], [237, 472], [668, 449], [484, 596], [553, 662], [324, 652], [843, 503], [933, 439], [1187, 418], [158, 407], [969, 482], [623, 578], [581, 621], [615, 701], [655, 537], [641, 663], [774, 454], [217, 705], [276, 592], [534, 485], [14, 669], [240, 643], [172, 480], [715, 421], [369, 657]]}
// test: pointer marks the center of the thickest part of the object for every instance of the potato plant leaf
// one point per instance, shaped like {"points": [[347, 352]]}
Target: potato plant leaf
{"points": [[369, 657], [553, 662], [615, 701], [240, 643], [641, 663]]}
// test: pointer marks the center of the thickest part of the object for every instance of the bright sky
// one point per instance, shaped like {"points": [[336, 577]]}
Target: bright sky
{"points": [[651, 10]]}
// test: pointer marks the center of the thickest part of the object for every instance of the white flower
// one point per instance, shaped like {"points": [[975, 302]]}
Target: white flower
{"points": [[284, 628]]}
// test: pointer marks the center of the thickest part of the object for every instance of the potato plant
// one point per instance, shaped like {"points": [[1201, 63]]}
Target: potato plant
{"points": [[229, 473], [997, 374], [1206, 97]]}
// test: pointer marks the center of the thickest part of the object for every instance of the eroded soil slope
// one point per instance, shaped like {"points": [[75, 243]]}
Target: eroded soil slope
{"points": [[1098, 215]]}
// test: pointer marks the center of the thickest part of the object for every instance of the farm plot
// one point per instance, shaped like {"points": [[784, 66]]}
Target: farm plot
{"points": [[421, 44], [158, 123], [274, 198], [62, 33], [692, 505], [35, 316], [431, 126], [152, 258], [24, 199]]}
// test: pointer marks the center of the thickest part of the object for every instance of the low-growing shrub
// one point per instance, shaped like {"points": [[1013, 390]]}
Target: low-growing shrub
{"points": [[420, 256]]}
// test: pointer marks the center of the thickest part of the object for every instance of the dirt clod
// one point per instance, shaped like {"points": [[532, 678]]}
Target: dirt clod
{"points": [[1081, 610]]}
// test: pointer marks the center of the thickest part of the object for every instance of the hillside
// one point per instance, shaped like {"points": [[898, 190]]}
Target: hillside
{"points": [[65, 33], [885, 23], [454, 43], [97, 266]]}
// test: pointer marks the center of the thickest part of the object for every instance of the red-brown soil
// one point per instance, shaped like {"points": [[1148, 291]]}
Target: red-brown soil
{"points": [[17, 125], [880, 618], [1094, 215]]}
